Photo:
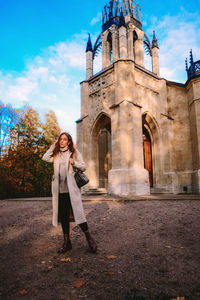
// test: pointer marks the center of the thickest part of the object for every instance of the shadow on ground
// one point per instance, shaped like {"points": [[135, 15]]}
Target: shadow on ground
{"points": [[147, 250]]}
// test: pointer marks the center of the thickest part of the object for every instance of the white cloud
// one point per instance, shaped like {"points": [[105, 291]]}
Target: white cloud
{"points": [[20, 90], [176, 36], [50, 81], [96, 19], [38, 72], [72, 54]]}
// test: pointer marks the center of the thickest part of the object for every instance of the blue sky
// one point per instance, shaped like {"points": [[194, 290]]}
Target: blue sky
{"points": [[42, 48]]}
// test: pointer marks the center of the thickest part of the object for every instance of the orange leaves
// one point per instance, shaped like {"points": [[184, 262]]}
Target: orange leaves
{"points": [[110, 273], [24, 173], [82, 259], [79, 283], [23, 292], [65, 259]]}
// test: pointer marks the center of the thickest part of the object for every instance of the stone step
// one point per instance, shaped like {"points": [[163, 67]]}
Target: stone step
{"points": [[155, 190], [96, 191]]}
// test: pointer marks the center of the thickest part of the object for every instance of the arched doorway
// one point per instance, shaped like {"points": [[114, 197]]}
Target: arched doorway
{"points": [[101, 150], [147, 150], [104, 151], [151, 149]]}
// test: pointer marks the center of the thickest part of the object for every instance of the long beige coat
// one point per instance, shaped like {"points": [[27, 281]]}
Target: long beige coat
{"points": [[74, 191]]}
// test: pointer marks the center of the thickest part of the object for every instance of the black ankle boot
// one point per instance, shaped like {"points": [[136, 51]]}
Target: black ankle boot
{"points": [[91, 242], [66, 245]]}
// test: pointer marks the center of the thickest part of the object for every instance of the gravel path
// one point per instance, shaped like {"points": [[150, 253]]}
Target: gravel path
{"points": [[147, 250]]}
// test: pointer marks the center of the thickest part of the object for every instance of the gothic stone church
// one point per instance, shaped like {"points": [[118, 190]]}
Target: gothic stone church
{"points": [[138, 132]]}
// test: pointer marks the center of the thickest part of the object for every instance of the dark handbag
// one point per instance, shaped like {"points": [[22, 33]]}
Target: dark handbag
{"points": [[80, 177]]}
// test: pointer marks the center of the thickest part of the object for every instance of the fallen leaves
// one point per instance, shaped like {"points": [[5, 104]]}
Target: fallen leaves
{"points": [[180, 247], [111, 256], [66, 259], [110, 273], [23, 292], [79, 283]]}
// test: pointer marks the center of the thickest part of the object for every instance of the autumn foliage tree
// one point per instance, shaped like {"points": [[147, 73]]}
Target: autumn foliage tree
{"points": [[23, 171], [51, 130]]}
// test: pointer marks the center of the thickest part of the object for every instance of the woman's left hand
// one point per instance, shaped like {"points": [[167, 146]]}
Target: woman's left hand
{"points": [[71, 161]]}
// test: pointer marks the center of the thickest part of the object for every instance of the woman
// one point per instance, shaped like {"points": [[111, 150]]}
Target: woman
{"points": [[66, 196]]}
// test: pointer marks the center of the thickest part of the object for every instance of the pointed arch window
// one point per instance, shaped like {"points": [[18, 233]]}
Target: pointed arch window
{"points": [[110, 48]]}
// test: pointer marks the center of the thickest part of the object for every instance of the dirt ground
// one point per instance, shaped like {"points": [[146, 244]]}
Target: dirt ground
{"points": [[147, 250]]}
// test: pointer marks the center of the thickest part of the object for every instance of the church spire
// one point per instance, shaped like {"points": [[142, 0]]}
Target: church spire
{"points": [[89, 59], [155, 55], [154, 41], [89, 45], [112, 13]]}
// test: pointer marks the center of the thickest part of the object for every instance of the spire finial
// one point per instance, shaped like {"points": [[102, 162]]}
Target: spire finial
{"points": [[154, 41], [186, 64], [89, 44], [191, 57]]}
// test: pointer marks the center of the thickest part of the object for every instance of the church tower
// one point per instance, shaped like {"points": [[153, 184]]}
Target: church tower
{"points": [[127, 132], [122, 36]]}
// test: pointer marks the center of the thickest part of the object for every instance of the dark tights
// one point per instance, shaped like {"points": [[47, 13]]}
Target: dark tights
{"points": [[64, 209]]}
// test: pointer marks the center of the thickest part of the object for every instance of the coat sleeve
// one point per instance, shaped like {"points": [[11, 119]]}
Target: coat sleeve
{"points": [[48, 156], [79, 162]]}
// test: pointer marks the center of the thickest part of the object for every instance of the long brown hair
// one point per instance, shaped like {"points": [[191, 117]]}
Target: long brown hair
{"points": [[70, 145]]}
